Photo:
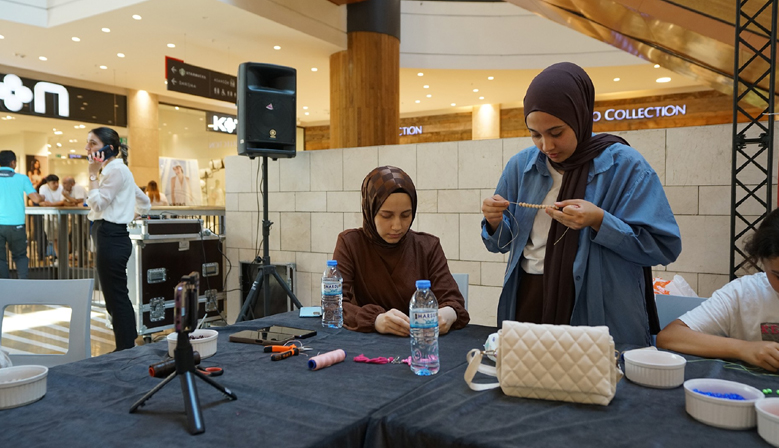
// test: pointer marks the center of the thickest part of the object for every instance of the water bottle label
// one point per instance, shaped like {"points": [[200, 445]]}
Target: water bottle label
{"points": [[424, 318], [331, 289]]}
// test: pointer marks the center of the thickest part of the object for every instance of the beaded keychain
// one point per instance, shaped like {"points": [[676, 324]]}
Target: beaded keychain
{"points": [[526, 205]]}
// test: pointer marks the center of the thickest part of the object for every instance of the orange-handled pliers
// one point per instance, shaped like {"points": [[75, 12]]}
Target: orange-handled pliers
{"points": [[291, 351], [278, 348]]}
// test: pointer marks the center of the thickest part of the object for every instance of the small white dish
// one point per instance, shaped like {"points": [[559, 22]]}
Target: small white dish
{"points": [[721, 412], [768, 419], [203, 342], [652, 368], [21, 385]]}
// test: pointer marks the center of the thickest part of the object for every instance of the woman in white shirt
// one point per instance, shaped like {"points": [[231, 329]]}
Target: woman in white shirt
{"points": [[114, 200]]}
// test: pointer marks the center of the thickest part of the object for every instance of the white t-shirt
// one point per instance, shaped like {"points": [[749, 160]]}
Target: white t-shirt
{"points": [[78, 192], [738, 310], [51, 196], [535, 250]]}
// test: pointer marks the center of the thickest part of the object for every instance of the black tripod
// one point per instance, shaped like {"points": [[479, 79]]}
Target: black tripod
{"points": [[185, 369], [266, 268]]}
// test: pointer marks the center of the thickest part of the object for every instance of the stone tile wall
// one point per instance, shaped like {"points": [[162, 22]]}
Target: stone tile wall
{"points": [[316, 195]]}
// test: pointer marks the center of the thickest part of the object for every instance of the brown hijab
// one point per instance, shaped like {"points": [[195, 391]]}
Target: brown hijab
{"points": [[377, 186], [565, 91]]}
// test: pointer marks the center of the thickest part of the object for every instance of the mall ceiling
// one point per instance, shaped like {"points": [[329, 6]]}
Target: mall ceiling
{"points": [[454, 55]]}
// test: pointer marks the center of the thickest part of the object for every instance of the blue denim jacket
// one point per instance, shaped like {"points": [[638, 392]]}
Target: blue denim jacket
{"points": [[638, 230]]}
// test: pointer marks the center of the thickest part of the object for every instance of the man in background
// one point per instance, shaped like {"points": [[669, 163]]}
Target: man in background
{"points": [[13, 186], [73, 193]]}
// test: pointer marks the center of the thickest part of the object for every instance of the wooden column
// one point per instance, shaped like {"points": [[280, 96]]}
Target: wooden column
{"points": [[143, 136]]}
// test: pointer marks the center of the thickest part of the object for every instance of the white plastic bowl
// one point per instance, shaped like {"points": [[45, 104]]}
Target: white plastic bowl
{"points": [[652, 368], [22, 385], [206, 345], [768, 420], [721, 412]]}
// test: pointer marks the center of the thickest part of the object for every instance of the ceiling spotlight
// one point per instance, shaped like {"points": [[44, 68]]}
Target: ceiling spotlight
{"points": [[75, 39], [137, 17], [657, 65], [81, 126], [490, 78], [306, 113], [2, 37], [481, 97], [58, 133], [106, 30], [73, 150], [313, 69], [425, 86], [48, 153], [121, 55], [616, 79], [663, 79], [276, 47], [103, 67], [417, 101], [475, 90], [171, 45], [59, 145], [429, 95], [305, 107], [177, 108], [453, 104], [43, 58], [420, 74]]}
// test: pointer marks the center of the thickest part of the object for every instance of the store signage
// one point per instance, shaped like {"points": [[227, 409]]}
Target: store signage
{"points": [[410, 130], [223, 123], [46, 99], [199, 81], [645, 113]]}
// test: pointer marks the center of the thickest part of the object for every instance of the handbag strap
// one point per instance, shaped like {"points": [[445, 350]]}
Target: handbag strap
{"points": [[474, 365]]}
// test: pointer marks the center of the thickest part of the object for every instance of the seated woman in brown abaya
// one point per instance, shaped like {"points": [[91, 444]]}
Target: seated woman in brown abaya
{"points": [[381, 261]]}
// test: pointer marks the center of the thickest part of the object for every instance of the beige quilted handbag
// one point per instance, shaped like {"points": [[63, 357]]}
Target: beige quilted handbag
{"points": [[551, 362]]}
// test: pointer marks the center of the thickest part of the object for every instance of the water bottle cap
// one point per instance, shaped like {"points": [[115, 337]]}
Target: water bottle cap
{"points": [[423, 284], [332, 262]]}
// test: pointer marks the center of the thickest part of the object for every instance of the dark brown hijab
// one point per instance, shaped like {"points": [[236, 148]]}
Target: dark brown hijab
{"points": [[377, 186], [565, 91]]}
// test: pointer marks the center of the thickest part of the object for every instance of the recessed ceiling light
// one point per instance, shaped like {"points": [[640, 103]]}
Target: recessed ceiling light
{"points": [[453, 104], [177, 108], [171, 45], [2, 37], [48, 153], [276, 47], [475, 90], [417, 101], [75, 127], [43, 58], [663, 79], [313, 69], [425, 86], [305, 107], [72, 150], [481, 97], [103, 67], [58, 133], [59, 145], [490, 78], [106, 30], [429, 95], [164, 124], [121, 55], [657, 65], [420, 74], [81, 126], [306, 113], [137, 17], [75, 39], [616, 79]]}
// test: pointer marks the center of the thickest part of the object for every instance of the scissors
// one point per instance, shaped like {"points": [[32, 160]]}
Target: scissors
{"points": [[211, 371]]}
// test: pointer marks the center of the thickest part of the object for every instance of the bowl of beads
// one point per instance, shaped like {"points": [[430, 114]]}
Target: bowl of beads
{"points": [[203, 342], [721, 403], [768, 420], [652, 368]]}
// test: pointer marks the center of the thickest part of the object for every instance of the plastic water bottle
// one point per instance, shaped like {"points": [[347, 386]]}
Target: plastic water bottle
{"points": [[332, 296], [423, 314]]}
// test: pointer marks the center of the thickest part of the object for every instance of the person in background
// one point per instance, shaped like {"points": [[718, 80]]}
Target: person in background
{"points": [[179, 186], [73, 193], [587, 260], [741, 319], [34, 173], [114, 200], [381, 261], [51, 190], [13, 186], [156, 197]]}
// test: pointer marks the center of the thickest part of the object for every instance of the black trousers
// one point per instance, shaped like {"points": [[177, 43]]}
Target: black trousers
{"points": [[113, 249]]}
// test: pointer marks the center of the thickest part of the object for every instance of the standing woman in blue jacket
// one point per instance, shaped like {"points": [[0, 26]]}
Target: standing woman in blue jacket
{"points": [[588, 259]]}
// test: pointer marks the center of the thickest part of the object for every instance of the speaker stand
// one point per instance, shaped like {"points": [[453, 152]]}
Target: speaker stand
{"points": [[267, 270]]}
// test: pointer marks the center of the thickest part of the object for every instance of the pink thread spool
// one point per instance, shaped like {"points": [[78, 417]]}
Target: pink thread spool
{"points": [[326, 359]]}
